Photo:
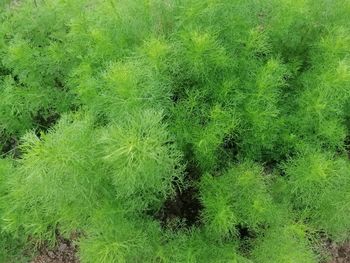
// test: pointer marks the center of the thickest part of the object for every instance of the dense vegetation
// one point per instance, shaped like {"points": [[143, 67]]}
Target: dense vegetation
{"points": [[175, 130]]}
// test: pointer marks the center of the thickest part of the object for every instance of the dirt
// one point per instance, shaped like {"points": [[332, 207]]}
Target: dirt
{"points": [[339, 253], [64, 252], [185, 206]]}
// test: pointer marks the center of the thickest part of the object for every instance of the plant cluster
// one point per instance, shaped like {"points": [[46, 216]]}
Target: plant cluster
{"points": [[116, 116]]}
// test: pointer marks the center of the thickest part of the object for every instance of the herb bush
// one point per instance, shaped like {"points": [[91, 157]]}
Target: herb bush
{"points": [[175, 130]]}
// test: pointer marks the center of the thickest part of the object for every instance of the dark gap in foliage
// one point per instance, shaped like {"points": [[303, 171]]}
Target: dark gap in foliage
{"points": [[262, 56], [272, 162], [244, 232], [228, 152], [4, 71], [9, 146], [301, 54], [59, 84], [192, 170], [344, 149], [230, 145], [305, 64], [18, 81], [185, 206], [182, 85], [44, 121], [55, 39], [245, 236], [347, 145], [175, 97], [270, 166], [347, 124], [282, 172], [101, 119]]}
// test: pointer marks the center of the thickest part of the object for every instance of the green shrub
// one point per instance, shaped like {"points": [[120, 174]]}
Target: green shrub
{"points": [[196, 246], [175, 130], [317, 187], [11, 247], [284, 244], [238, 197]]}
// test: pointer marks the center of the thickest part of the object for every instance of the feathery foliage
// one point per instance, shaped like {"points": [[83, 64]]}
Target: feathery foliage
{"points": [[175, 130]]}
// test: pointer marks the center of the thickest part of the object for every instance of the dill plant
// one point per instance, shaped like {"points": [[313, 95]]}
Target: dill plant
{"points": [[114, 111]]}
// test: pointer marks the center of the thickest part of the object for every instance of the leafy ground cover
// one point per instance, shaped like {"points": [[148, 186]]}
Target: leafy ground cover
{"points": [[174, 131]]}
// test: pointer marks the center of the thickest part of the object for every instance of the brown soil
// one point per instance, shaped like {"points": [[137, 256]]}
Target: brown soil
{"points": [[339, 254], [64, 252], [185, 207]]}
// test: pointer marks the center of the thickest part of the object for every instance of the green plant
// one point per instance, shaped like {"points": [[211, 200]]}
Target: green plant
{"points": [[317, 187], [175, 130], [289, 244], [238, 197]]}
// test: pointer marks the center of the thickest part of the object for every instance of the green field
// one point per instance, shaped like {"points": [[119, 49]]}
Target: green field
{"points": [[175, 131]]}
